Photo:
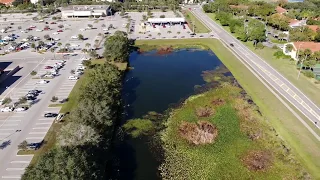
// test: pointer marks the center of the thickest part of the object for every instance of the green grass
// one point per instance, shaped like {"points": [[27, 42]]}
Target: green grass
{"points": [[199, 27], [215, 161], [304, 145], [55, 105]]}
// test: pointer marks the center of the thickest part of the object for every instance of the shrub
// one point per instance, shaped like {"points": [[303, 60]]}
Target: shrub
{"points": [[6, 100], [33, 73], [279, 54], [198, 134], [54, 99], [309, 74], [259, 45], [138, 127], [162, 16]]}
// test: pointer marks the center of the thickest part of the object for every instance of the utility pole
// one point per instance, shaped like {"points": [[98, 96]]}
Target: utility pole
{"points": [[301, 65]]}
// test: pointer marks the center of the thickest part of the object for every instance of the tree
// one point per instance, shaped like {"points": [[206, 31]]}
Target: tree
{"points": [[317, 36], [59, 44], [75, 134], [110, 26], [159, 34], [103, 26], [90, 26], [54, 99], [80, 37], [282, 36], [33, 73], [40, 43], [19, 27], [23, 145], [6, 100], [88, 45], [117, 47], [33, 46], [46, 36], [256, 30], [289, 47], [67, 45], [301, 34], [22, 100]]}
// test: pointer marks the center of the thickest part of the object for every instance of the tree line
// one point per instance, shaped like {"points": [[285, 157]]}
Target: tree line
{"points": [[84, 142]]}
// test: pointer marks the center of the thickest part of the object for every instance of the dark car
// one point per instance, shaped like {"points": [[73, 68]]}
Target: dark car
{"points": [[64, 100], [50, 114], [34, 146], [231, 45]]}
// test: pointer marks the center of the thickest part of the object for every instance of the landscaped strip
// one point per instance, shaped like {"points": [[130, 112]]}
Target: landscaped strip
{"points": [[304, 145], [191, 19]]}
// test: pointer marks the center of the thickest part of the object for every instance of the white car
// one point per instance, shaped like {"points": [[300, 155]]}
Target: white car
{"points": [[55, 33], [105, 30], [56, 39], [48, 76], [7, 109], [73, 78], [74, 37], [39, 30], [82, 29], [86, 59], [43, 82], [20, 109], [23, 31], [32, 26]]}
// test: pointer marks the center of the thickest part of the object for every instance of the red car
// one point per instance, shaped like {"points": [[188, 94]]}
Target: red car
{"points": [[59, 30], [53, 23], [48, 67], [46, 29], [164, 26], [32, 27], [29, 29]]}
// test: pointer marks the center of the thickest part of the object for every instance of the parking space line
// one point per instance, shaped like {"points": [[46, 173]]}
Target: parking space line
{"points": [[13, 120], [45, 119], [34, 138], [41, 127], [11, 177], [22, 162], [4, 134], [43, 123], [10, 124], [15, 169], [37, 132], [6, 129]]}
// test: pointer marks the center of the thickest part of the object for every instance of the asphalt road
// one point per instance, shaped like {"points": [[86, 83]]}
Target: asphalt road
{"points": [[284, 87]]}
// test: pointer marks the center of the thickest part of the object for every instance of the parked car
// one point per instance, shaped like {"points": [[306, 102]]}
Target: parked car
{"points": [[74, 37], [55, 33], [53, 23], [34, 146], [48, 67], [7, 109], [73, 78], [20, 109], [60, 30], [39, 30], [50, 114], [43, 82]]}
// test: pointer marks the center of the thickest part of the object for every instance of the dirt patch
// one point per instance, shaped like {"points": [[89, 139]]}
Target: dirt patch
{"points": [[164, 50], [198, 133], [218, 102], [258, 160], [204, 111]]}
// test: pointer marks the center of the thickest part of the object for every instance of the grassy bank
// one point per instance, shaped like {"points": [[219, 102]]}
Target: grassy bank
{"points": [[304, 145], [192, 20], [239, 131]]}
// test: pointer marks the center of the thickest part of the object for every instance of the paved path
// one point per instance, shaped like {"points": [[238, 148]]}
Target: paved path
{"points": [[264, 70]]}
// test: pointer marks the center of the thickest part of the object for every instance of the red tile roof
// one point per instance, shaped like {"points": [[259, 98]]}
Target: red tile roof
{"points": [[280, 10], [314, 28], [6, 2], [313, 46]]}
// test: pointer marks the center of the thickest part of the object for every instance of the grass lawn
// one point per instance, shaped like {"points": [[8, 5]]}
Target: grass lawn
{"points": [[198, 26], [304, 145]]}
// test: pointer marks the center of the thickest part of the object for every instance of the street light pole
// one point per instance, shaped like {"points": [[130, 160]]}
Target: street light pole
{"points": [[301, 66]]}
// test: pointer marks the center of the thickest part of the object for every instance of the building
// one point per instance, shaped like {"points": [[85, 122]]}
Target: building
{"points": [[34, 1], [85, 11], [6, 2], [314, 28], [300, 46], [293, 23], [166, 21], [281, 10]]}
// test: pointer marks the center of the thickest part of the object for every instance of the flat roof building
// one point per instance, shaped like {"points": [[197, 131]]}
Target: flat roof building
{"points": [[83, 11], [165, 20]]}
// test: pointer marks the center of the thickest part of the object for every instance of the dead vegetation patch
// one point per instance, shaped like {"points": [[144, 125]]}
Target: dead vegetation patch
{"points": [[218, 102], [258, 160], [164, 50], [204, 111], [198, 133]]}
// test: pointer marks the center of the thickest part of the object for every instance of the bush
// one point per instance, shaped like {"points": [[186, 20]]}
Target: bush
{"points": [[275, 47], [6, 100], [138, 127], [54, 99], [259, 45], [33, 73], [309, 74], [279, 54], [162, 16]]}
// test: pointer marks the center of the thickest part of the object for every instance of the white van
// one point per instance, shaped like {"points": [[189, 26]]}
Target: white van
{"points": [[73, 78]]}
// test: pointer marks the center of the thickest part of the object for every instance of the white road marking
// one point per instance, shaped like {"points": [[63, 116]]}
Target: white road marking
{"points": [[37, 132], [20, 162], [41, 128], [10, 124], [15, 169], [11, 177], [34, 138], [43, 123]]}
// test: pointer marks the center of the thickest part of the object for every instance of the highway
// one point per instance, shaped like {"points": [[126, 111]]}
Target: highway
{"points": [[279, 83]]}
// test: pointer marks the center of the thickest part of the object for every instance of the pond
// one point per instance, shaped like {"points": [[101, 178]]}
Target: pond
{"points": [[155, 82]]}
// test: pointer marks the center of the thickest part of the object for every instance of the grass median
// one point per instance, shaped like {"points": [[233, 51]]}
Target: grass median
{"points": [[304, 145], [192, 20]]}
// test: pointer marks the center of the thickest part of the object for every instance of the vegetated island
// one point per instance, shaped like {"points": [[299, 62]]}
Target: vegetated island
{"points": [[218, 134]]}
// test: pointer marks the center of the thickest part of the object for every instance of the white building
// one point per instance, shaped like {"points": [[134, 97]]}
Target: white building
{"points": [[82, 11], [300, 46], [166, 20]]}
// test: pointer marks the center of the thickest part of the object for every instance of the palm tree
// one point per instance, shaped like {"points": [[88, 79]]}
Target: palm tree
{"points": [[87, 45], [40, 43], [84, 51], [169, 32], [33, 45], [80, 37], [103, 26], [67, 46], [159, 34], [178, 32], [52, 51], [59, 44], [46, 36]]}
